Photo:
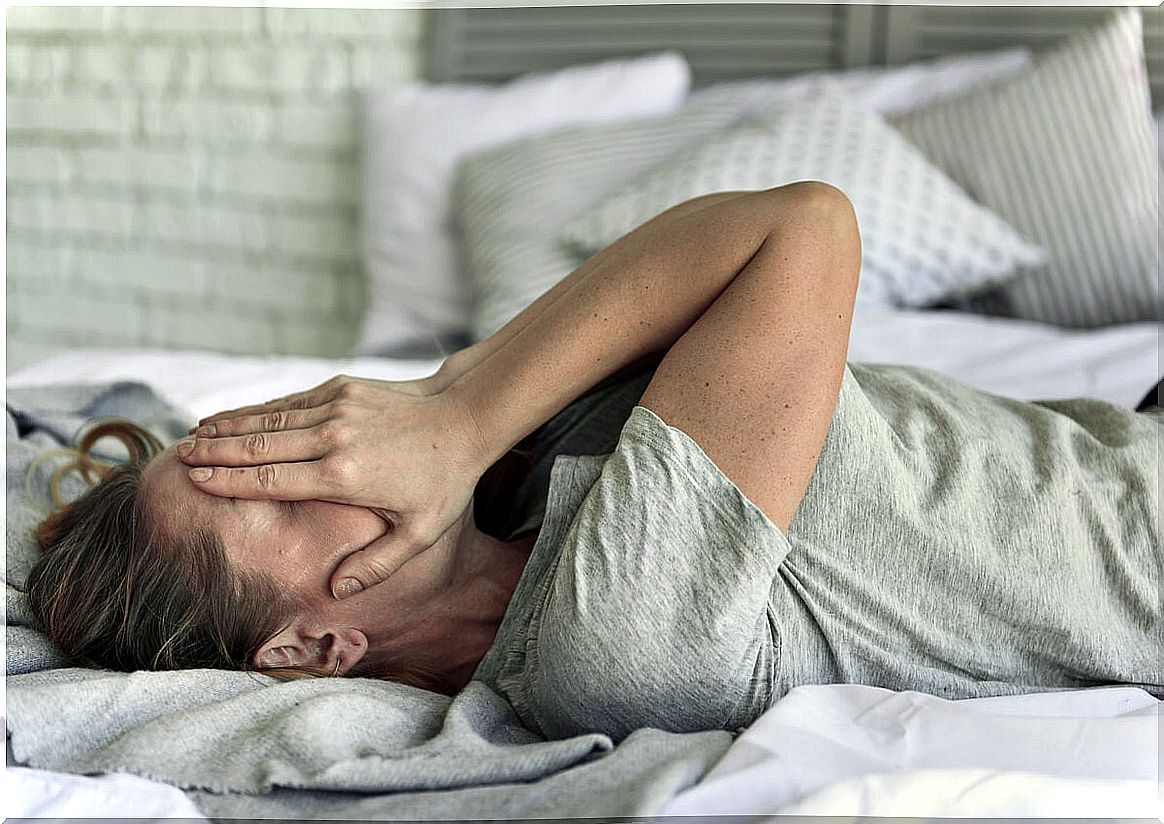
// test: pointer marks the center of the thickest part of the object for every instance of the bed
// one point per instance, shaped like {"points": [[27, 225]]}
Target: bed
{"points": [[229, 745]]}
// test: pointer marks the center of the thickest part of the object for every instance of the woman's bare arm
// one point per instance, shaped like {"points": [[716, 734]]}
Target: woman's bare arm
{"points": [[750, 296], [755, 379], [747, 296], [464, 360]]}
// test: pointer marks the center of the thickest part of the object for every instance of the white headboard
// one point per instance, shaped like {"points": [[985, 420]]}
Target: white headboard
{"points": [[726, 41]]}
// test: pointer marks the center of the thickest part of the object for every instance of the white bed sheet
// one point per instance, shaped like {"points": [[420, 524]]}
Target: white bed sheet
{"points": [[847, 749], [835, 750], [32, 793], [1018, 359]]}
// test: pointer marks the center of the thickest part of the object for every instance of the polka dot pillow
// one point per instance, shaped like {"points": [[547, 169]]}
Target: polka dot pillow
{"points": [[924, 240]]}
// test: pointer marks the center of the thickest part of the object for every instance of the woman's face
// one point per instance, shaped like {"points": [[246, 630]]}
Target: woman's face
{"points": [[299, 544]]}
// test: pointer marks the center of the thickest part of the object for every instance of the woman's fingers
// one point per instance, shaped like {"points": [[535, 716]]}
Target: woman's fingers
{"points": [[297, 400], [279, 482], [301, 400], [257, 448], [291, 402], [374, 563], [272, 420], [370, 566]]}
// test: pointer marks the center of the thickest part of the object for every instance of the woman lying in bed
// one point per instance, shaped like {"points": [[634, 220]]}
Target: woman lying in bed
{"points": [[715, 508]]}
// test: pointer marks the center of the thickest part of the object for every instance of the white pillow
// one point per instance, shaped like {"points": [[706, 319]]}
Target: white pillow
{"points": [[887, 90], [413, 137], [1064, 153], [923, 240], [514, 199]]}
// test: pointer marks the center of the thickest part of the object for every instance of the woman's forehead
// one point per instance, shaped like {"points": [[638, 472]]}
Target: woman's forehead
{"points": [[178, 502], [166, 485]]}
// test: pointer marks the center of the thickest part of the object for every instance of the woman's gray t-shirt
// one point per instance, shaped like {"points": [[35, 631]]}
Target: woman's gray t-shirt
{"points": [[950, 541]]}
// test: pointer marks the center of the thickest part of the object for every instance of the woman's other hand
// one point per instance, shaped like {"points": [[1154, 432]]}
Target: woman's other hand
{"points": [[404, 451]]}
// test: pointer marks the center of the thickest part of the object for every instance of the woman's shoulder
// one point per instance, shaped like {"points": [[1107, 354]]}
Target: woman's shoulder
{"points": [[660, 591]]}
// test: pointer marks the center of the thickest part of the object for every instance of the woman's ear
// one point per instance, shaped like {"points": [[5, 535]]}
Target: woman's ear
{"points": [[332, 649]]}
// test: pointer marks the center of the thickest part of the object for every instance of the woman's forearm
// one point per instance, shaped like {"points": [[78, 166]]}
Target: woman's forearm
{"points": [[466, 359], [639, 296]]}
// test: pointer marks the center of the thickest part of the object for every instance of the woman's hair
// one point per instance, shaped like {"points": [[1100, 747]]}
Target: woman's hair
{"points": [[114, 590]]}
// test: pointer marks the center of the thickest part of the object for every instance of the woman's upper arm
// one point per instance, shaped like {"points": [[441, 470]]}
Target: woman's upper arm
{"points": [[755, 380]]}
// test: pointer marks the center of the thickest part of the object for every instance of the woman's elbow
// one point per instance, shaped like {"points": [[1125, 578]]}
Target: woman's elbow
{"points": [[821, 200], [822, 211]]}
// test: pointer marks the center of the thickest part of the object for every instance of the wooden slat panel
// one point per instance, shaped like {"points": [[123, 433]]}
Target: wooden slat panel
{"points": [[720, 41], [560, 18], [862, 32], [727, 41], [1154, 51]]}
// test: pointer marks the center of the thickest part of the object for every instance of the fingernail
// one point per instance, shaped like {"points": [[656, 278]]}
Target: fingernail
{"points": [[347, 587], [201, 473], [185, 447], [208, 431]]}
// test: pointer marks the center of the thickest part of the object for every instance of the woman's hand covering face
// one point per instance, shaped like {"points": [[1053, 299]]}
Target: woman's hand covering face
{"points": [[411, 457]]}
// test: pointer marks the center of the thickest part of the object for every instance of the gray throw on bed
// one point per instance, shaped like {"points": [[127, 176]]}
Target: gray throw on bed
{"points": [[247, 746]]}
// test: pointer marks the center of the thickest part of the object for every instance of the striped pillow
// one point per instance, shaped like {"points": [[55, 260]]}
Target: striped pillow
{"points": [[1065, 154], [511, 202]]}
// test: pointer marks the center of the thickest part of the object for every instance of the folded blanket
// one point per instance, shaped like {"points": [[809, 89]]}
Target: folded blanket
{"points": [[245, 745]]}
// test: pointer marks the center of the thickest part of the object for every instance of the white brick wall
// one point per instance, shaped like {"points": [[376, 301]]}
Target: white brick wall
{"points": [[186, 176]]}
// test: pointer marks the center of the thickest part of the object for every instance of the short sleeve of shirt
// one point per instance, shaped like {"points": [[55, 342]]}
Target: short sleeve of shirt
{"points": [[655, 609]]}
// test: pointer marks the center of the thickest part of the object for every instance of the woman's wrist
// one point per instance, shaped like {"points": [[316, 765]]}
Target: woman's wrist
{"points": [[464, 418], [452, 369]]}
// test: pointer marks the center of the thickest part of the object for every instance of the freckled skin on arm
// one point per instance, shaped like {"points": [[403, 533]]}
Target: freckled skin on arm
{"points": [[755, 380]]}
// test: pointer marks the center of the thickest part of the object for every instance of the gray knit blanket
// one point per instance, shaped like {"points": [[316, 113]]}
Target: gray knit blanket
{"points": [[246, 746]]}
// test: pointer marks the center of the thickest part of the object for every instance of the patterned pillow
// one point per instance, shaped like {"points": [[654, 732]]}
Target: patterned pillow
{"points": [[923, 239], [1064, 153]]}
